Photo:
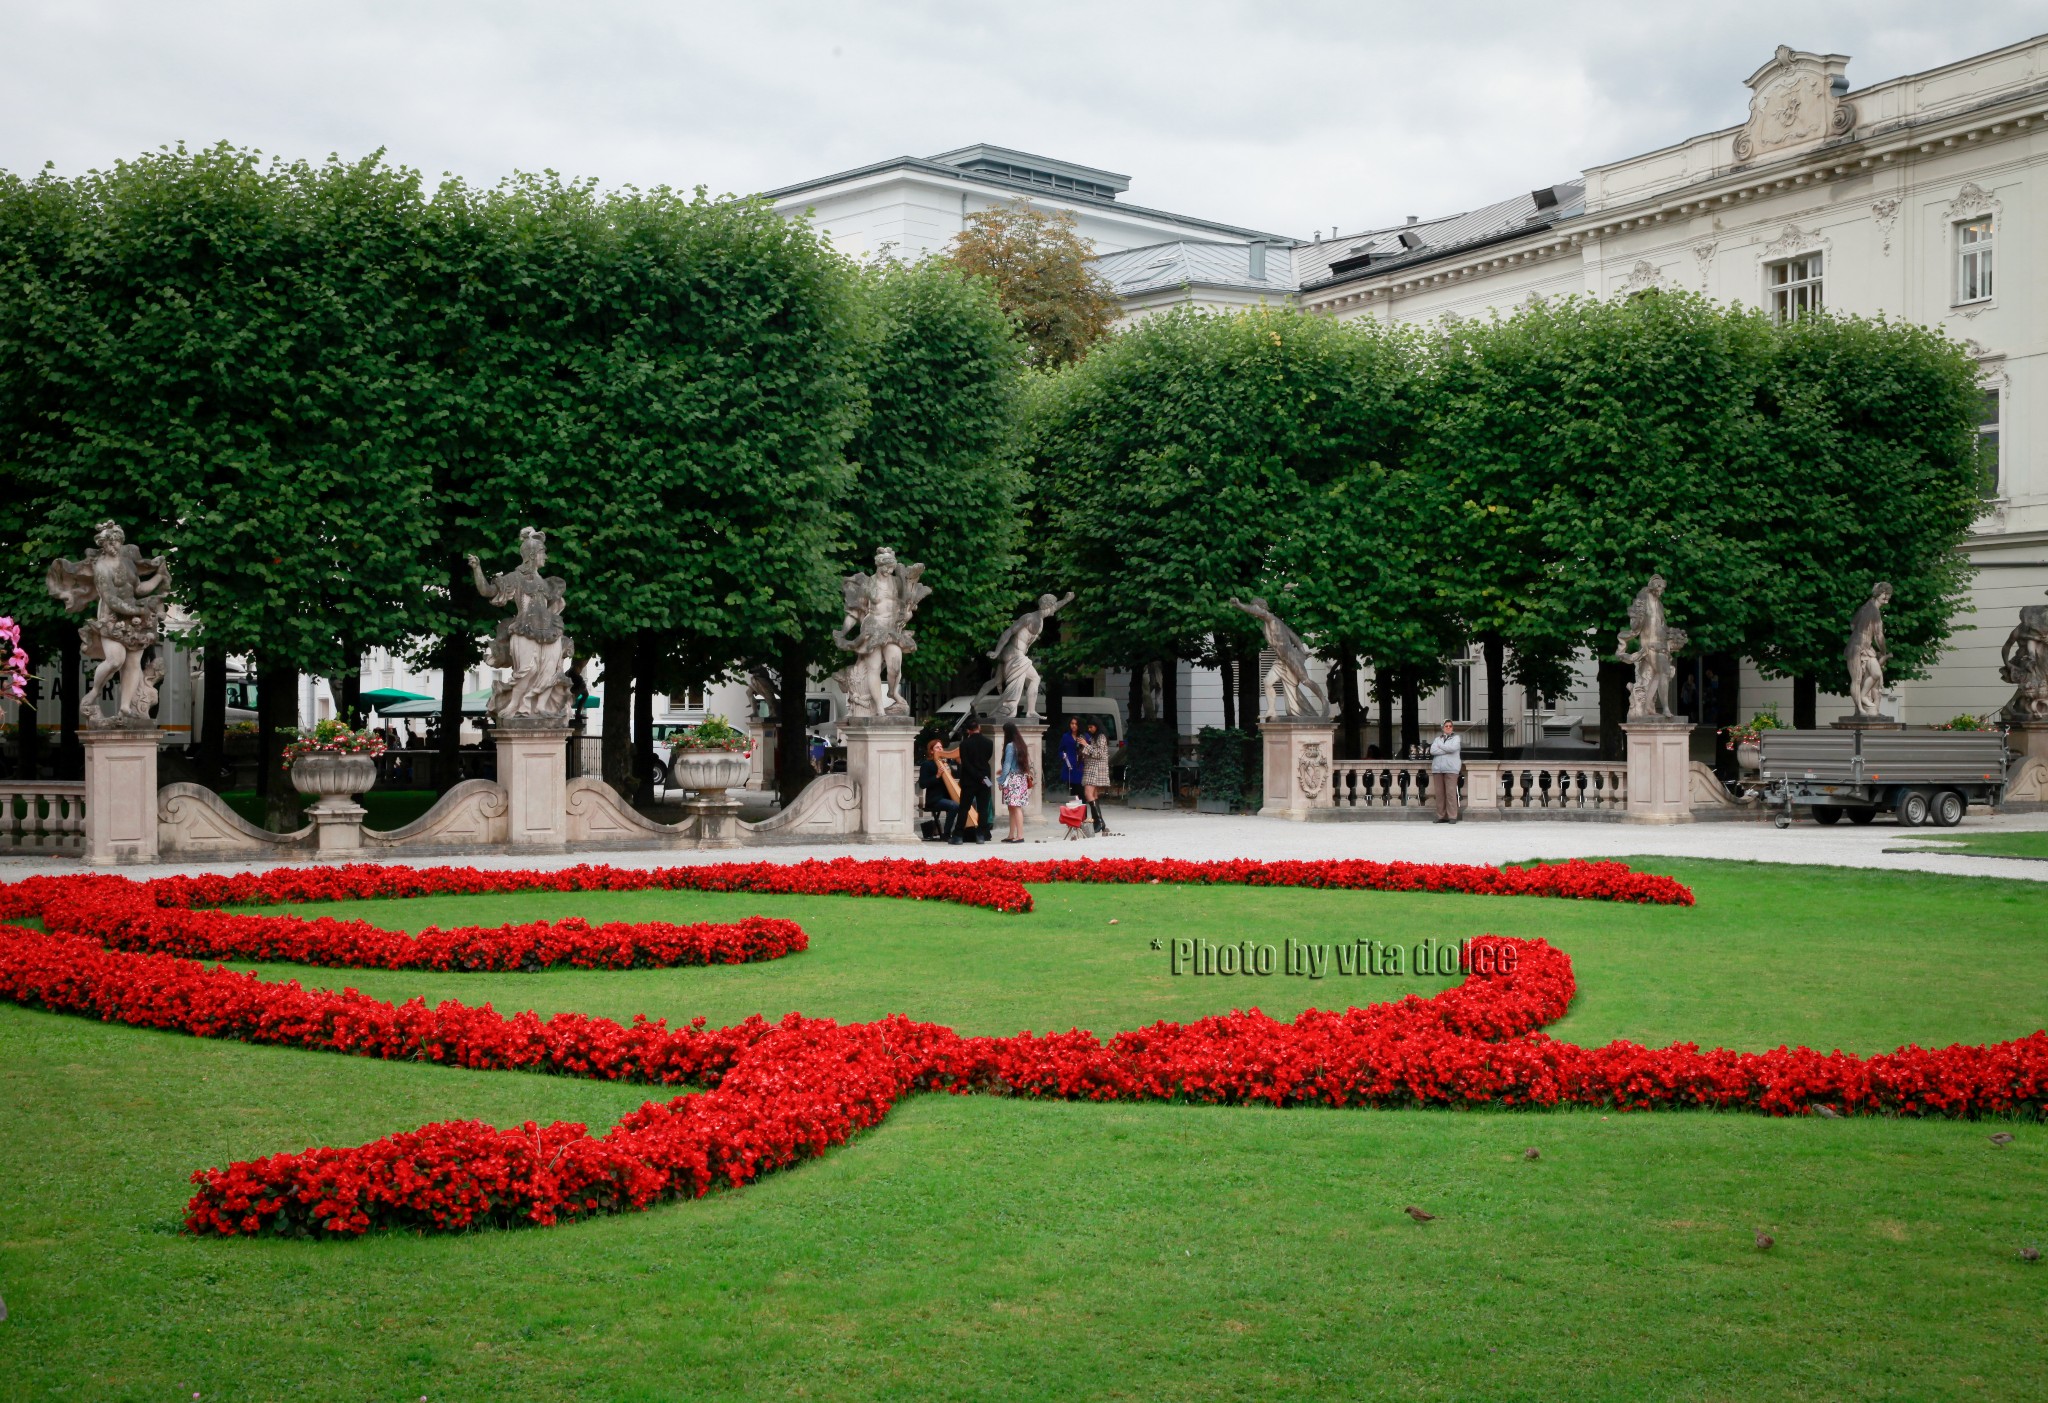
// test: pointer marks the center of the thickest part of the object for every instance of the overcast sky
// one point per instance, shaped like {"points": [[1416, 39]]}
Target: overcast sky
{"points": [[1292, 117]]}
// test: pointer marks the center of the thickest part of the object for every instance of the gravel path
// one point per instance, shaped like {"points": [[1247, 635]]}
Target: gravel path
{"points": [[1199, 837]]}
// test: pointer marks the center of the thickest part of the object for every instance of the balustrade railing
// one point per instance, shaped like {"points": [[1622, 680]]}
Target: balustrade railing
{"points": [[46, 818], [1503, 786]]}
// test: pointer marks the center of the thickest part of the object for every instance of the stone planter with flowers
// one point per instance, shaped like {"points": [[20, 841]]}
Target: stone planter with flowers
{"points": [[707, 760], [331, 764]]}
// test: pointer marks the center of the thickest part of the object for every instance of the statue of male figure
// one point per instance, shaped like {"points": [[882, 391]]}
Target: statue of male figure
{"points": [[1016, 674], [2023, 661], [1649, 696], [130, 592], [1866, 654], [876, 630], [532, 642], [1289, 672]]}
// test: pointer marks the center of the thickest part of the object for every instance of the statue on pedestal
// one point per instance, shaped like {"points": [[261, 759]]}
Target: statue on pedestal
{"points": [[2023, 661], [1865, 653], [876, 631], [1289, 672], [1016, 675], [124, 634], [532, 642], [1649, 696]]}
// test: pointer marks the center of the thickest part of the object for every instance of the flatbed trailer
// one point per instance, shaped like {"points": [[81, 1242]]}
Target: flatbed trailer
{"points": [[1926, 777]]}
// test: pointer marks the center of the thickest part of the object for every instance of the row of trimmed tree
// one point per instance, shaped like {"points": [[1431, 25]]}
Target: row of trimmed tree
{"points": [[319, 387]]}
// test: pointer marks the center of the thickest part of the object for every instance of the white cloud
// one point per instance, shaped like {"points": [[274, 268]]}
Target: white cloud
{"points": [[1293, 118]]}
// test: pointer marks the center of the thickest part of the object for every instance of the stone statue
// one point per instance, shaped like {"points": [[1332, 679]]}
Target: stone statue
{"points": [[876, 631], [1289, 672], [2023, 661], [1649, 696], [531, 642], [1865, 652], [129, 625], [1016, 674]]}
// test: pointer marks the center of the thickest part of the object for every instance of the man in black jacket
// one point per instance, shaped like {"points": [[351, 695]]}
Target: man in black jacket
{"points": [[977, 779]]}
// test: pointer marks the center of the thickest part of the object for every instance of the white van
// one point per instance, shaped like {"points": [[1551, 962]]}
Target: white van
{"points": [[1106, 712]]}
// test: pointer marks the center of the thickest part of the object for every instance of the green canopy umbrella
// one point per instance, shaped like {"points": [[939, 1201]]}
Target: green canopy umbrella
{"points": [[386, 697], [473, 704]]}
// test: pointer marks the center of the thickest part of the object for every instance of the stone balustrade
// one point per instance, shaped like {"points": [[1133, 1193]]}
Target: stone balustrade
{"points": [[42, 818], [1506, 788]]}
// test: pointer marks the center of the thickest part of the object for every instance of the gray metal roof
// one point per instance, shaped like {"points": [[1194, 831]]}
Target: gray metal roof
{"points": [[1436, 238], [949, 171], [1198, 262]]}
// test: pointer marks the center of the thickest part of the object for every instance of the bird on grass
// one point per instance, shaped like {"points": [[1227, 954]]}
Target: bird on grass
{"points": [[2003, 1137], [1764, 1240], [2030, 1253], [1418, 1215], [1827, 1112], [1531, 1153]]}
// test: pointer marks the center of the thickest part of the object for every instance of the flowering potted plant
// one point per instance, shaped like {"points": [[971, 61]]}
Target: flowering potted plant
{"points": [[333, 762], [1967, 722], [13, 661], [1745, 739], [711, 756]]}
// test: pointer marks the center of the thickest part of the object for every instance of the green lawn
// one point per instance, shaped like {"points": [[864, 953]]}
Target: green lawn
{"points": [[2004, 844], [974, 1247]]}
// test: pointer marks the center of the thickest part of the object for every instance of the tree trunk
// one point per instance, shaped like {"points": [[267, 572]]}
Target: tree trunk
{"points": [[28, 732], [616, 746], [1136, 706], [1224, 670], [277, 698], [1169, 693], [348, 688], [1383, 688], [213, 716], [1805, 704], [1495, 652], [70, 754], [1350, 708], [792, 722], [1411, 710], [643, 718], [448, 764], [1614, 680]]}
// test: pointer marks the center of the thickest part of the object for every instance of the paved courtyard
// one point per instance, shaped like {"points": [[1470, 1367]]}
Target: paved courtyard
{"points": [[1207, 837]]}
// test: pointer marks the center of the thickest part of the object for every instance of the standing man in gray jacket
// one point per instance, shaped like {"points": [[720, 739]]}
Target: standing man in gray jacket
{"points": [[1445, 761]]}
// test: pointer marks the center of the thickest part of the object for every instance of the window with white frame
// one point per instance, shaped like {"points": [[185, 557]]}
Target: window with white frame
{"points": [[1990, 420], [1458, 691], [1973, 260], [1794, 286]]}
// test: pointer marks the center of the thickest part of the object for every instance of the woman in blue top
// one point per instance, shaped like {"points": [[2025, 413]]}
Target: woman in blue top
{"points": [[1070, 756], [1014, 779]]}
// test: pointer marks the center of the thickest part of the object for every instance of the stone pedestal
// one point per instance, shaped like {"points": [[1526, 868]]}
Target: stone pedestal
{"points": [[1297, 753], [881, 762], [2028, 740], [1659, 771], [120, 792], [533, 769], [337, 828], [718, 818], [1866, 723]]}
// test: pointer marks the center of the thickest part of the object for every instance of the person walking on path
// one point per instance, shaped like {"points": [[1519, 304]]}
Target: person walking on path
{"points": [[977, 757], [1445, 761], [1070, 757], [1015, 780], [1095, 773]]}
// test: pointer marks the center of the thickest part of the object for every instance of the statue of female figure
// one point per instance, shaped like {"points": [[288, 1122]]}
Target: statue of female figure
{"points": [[876, 630], [1866, 654], [532, 642], [130, 620]]}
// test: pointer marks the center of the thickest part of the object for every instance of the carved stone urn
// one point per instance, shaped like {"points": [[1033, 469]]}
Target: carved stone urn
{"points": [[333, 781], [1749, 756], [709, 771]]}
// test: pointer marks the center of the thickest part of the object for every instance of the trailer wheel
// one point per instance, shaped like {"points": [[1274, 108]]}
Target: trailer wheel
{"points": [[1916, 808], [1781, 820], [1949, 807], [1859, 817], [1828, 815]]}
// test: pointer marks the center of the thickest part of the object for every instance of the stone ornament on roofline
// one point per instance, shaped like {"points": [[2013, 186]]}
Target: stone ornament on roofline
{"points": [[1795, 101]]}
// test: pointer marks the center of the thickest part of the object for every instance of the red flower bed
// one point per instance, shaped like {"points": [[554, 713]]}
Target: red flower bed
{"points": [[784, 1092]]}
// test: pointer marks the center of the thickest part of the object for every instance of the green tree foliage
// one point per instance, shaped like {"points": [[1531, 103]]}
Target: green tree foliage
{"points": [[1040, 268], [1196, 456], [935, 462], [1872, 474]]}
